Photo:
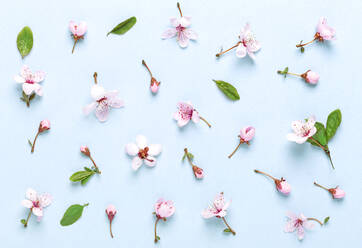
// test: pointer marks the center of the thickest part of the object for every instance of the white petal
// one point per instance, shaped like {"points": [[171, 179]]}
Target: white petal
{"points": [[154, 149], [27, 203], [183, 39], [241, 51], [28, 88], [169, 33], [102, 112], [45, 200], [38, 76], [89, 108], [25, 72], [141, 141], [38, 212], [97, 92], [208, 213], [31, 194], [191, 34], [136, 163], [132, 149], [150, 161], [38, 89], [19, 79]]}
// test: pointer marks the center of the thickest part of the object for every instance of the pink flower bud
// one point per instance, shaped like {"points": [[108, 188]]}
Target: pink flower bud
{"points": [[85, 150], [111, 212], [44, 125], [325, 32], [199, 173], [78, 30], [154, 85], [337, 193], [311, 77], [247, 133], [283, 186], [164, 209]]}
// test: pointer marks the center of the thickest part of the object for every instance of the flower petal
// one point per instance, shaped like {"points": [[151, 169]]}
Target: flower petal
{"points": [[89, 108], [132, 149], [182, 122], [209, 213], [27, 203], [38, 89], [38, 76], [141, 141], [169, 33], [183, 39], [25, 72], [102, 112], [241, 51], [295, 138], [19, 79], [154, 149], [150, 161], [191, 34], [45, 200], [28, 88], [31, 194], [195, 116], [38, 212], [136, 163], [300, 232], [289, 227]]}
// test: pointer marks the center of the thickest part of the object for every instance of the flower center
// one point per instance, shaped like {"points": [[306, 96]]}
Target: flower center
{"points": [[179, 28], [299, 222], [143, 154], [103, 101], [36, 204], [29, 81]]}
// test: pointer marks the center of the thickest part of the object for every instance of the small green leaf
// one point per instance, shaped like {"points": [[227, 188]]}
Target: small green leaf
{"points": [[85, 180], [24, 41], [87, 169], [31, 144], [158, 238], [183, 157], [123, 27], [320, 135], [229, 90], [227, 230], [326, 220], [190, 155], [23, 221], [302, 49], [333, 122], [80, 175], [72, 214]]}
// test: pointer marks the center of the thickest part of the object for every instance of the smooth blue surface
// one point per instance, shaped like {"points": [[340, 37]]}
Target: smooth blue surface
{"points": [[268, 101]]}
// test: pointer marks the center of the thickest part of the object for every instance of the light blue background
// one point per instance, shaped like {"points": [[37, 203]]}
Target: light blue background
{"points": [[268, 101]]}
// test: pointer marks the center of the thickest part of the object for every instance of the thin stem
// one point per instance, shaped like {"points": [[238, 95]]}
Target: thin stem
{"points": [[316, 220], [231, 230], [27, 219], [95, 75], [179, 8], [294, 74], [188, 157], [330, 158], [144, 63], [320, 186], [301, 45], [94, 163], [325, 149], [221, 53], [235, 149], [33, 146], [203, 119], [156, 238], [75, 42], [110, 229], [265, 174]]}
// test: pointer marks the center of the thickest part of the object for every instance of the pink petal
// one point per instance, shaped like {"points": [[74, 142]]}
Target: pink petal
{"points": [[169, 33], [38, 212], [208, 213], [102, 112], [191, 34], [241, 51], [183, 39], [38, 76], [182, 122], [45, 200], [308, 224], [19, 79], [185, 21], [38, 89], [289, 227], [28, 88], [136, 163], [116, 102], [31, 194], [89, 108], [150, 161], [195, 116], [154, 149], [132, 149], [72, 25], [25, 72], [300, 232], [27, 203], [82, 28]]}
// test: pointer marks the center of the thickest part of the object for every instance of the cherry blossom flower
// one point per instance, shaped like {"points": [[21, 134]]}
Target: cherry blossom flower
{"points": [[299, 223], [43, 126], [180, 29], [198, 172], [111, 212], [309, 76], [163, 210], [154, 83], [324, 32], [185, 113], [218, 209], [30, 83], [336, 192], [85, 150], [143, 152], [303, 130], [246, 134], [247, 45], [78, 31], [281, 185], [36, 203], [103, 101]]}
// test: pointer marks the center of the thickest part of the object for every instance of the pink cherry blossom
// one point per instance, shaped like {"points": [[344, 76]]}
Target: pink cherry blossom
{"points": [[84, 149], [36, 203], [218, 209], [43, 126], [336, 192], [185, 113], [198, 172], [78, 31], [30, 81], [324, 31], [181, 30], [281, 185], [246, 134], [155, 85], [303, 130], [311, 77], [163, 209], [143, 152], [103, 101], [248, 44], [111, 212], [298, 224]]}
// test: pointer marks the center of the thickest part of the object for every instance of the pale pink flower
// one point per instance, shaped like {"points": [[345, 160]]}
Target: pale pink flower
{"points": [[164, 209], [324, 31], [248, 44], [143, 152], [36, 203], [281, 185], [84, 150], [103, 102], [78, 29], [185, 113], [246, 134], [310, 77], [298, 224], [303, 130], [111, 212], [336, 192], [44, 125], [30, 81], [181, 30]]}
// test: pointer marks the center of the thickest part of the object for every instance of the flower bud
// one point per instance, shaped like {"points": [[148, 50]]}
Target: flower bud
{"points": [[85, 150], [337, 193], [199, 173], [44, 125], [310, 77], [154, 85], [283, 186], [111, 212], [247, 133]]}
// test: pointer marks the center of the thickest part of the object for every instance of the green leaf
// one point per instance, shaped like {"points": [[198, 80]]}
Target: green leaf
{"points": [[333, 122], [87, 169], [320, 135], [24, 41], [123, 27], [302, 49], [80, 175], [158, 238], [190, 155], [229, 90], [72, 214], [326, 220], [85, 180], [227, 230], [183, 157], [23, 221], [31, 144]]}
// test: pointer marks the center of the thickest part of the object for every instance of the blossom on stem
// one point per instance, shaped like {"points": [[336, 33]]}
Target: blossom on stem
{"points": [[154, 83], [180, 29], [103, 101], [163, 210], [218, 209], [247, 45], [336, 192], [309, 76], [143, 152], [303, 130], [246, 134], [198, 172], [43, 126], [35, 203], [78, 31], [299, 223], [85, 150], [281, 184], [185, 113], [111, 212]]}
